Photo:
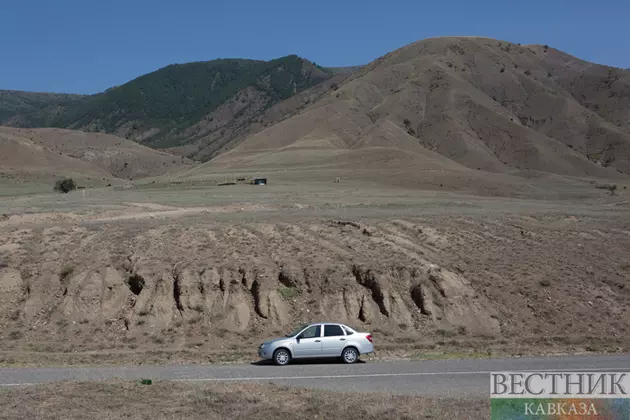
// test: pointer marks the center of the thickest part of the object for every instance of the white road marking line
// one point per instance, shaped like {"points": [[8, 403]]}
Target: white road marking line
{"points": [[366, 375], [373, 375]]}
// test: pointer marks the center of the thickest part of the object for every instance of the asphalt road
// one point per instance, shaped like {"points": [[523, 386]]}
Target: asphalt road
{"points": [[429, 378]]}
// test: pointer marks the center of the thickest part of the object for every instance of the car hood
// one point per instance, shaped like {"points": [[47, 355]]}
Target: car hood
{"points": [[277, 340]]}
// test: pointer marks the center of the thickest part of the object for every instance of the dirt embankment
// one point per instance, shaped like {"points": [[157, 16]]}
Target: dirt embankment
{"points": [[460, 284], [240, 279]]}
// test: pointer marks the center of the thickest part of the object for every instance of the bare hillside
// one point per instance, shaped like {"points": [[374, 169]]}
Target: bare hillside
{"points": [[233, 123], [471, 103], [40, 153], [23, 160]]}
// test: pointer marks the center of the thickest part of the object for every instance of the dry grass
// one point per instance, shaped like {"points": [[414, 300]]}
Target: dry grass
{"points": [[400, 347], [40, 154], [167, 400]]}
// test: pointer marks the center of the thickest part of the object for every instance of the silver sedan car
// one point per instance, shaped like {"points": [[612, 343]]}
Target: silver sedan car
{"points": [[320, 340]]}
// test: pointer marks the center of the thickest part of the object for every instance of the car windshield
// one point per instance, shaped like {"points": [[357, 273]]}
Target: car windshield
{"points": [[296, 331]]}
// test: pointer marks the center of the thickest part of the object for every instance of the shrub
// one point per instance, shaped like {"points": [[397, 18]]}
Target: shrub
{"points": [[15, 335], [66, 272], [288, 292], [406, 122], [528, 73], [445, 333], [502, 70], [65, 185], [610, 187], [545, 283]]}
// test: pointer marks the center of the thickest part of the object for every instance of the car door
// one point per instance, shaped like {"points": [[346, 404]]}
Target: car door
{"points": [[309, 342], [333, 341]]}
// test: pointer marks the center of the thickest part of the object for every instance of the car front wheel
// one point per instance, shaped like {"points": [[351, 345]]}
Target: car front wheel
{"points": [[350, 355], [281, 357]]}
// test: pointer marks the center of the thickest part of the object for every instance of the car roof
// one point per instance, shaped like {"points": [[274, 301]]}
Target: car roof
{"points": [[327, 323]]}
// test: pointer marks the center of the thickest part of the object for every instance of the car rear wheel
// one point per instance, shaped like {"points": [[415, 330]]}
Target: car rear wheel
{"points": [[350, 355], [281, 357]]}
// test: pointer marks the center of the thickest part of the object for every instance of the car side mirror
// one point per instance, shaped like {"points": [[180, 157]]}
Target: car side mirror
{"points": [[298, 338]]}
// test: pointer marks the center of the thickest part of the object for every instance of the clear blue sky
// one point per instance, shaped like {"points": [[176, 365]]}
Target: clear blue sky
{"points": [[86, 46]]}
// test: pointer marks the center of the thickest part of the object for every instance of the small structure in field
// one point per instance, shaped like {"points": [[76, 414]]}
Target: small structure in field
{"points": [[259, 181]]}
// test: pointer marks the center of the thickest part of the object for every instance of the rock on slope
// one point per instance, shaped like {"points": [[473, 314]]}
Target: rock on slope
{"points": [[476, 102], [42, 153]]}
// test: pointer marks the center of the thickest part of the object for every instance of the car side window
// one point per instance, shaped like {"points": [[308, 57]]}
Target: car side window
{"points": [[312, 332], [348, 331], [333, 331]]}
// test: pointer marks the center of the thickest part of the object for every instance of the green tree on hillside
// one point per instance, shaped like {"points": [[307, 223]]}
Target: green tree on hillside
{"points": [[65, 185]]}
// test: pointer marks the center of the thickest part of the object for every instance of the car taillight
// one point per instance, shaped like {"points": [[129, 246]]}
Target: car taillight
{"points": [[369, 337]]}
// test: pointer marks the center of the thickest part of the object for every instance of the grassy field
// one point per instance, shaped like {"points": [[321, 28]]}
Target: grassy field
{"points": [[167, 400]]}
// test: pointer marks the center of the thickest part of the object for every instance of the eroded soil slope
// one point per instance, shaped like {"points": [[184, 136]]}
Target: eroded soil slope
{"points": [[481, 283]]}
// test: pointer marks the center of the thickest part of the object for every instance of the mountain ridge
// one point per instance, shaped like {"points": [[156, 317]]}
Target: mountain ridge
{"points": [[486, 104], [175, 105], [481, 103]]}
